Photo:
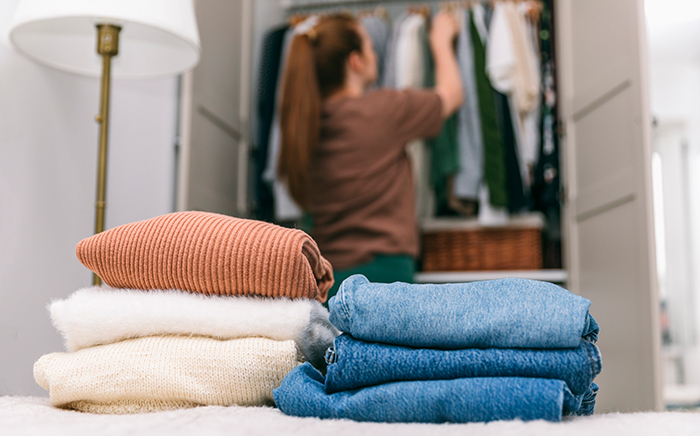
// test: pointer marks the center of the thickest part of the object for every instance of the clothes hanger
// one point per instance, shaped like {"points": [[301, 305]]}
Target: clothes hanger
{"points": [[297, 18], [419, 10], [365, 13], [382, 13], [535, 11], [449, 7]]}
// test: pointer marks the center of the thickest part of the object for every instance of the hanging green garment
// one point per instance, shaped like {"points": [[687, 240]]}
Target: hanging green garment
{"points": [[494, 154], [445, 162], [444, 148]]}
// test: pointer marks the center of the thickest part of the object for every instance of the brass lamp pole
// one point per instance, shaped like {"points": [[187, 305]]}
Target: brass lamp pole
{"points": [[107, 46]]}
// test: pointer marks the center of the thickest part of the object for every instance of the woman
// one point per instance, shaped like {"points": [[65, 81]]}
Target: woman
{"points": [[343, 152]]}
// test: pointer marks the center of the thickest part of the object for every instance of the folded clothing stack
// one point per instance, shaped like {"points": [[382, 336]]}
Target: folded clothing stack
{"points": [[472, 352], [200, 309]]}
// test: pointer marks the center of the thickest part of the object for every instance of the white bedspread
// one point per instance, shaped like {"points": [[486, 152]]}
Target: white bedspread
{"points": [[34, 416]]}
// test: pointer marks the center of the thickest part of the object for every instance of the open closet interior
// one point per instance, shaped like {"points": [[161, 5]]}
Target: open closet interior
{"points": [[576, 143], [487, 188]]}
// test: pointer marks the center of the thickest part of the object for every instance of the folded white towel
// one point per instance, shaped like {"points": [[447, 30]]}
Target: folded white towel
{"points": [[103, 315], [166, 372]]}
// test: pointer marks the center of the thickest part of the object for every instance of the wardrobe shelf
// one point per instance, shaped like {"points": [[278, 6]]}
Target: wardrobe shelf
{"points": [[546, 275]]}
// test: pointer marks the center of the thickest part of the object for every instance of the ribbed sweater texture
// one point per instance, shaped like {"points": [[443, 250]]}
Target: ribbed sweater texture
{"points": [[166, 372], [210, 254]]}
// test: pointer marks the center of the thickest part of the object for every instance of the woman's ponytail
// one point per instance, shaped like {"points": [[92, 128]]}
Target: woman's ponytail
{"points": [[300, 117], [315, 69]]}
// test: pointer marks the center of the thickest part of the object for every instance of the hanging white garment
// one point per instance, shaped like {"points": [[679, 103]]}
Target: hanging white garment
{"points": [[502, 66], [511, 74], [489, 215], [410, 72], [525, 84], [410, 66], [389, 80], [526, 88], [500, 57]]}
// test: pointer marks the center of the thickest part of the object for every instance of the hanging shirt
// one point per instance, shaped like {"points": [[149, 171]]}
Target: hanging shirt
{"points": [[531, 120], [494, 148], [389, 79], [526, 85], [411, 72], [471, 144], [360, 184], [500, 55], [509, 76], [526, 90], [378, 30], [409, 66]]}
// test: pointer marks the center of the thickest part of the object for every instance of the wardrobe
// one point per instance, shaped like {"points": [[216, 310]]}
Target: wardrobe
{"points": [[605, 141]]}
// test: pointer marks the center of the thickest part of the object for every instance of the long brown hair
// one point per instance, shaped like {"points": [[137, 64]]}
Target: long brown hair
{"points": [[315, 69]]}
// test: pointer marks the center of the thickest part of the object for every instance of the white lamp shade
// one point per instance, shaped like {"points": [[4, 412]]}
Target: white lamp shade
{"points": [[158, 37]]}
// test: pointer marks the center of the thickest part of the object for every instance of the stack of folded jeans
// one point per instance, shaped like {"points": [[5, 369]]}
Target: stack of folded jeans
{"points": [[473, 352]]}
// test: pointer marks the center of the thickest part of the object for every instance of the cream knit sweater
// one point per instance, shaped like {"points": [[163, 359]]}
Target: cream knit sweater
{"points": [[166, 372], [101, 315]]}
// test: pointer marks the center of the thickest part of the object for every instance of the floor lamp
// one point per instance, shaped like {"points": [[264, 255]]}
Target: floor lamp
{"points": [[153, 38]]}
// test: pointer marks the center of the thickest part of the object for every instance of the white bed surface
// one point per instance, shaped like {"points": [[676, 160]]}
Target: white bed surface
{"points": [[35, 416]]}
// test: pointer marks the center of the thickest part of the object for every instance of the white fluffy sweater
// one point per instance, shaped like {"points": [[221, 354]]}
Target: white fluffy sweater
{"points": [[103, 315], [166, 372]]}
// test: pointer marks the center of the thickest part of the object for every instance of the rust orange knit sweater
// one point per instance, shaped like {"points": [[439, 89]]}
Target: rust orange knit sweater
{"points": [[210, 254]]}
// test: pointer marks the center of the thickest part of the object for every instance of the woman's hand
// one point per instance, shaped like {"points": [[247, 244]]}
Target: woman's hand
{"points": [[444, 29]]}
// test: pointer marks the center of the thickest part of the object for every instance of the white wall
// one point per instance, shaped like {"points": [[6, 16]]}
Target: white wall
{"points": [[675, 101], [48, 165]]}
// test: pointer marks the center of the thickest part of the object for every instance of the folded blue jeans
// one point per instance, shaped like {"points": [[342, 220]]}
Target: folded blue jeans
{"points": [[508, 313], [354, 364], [480, 399]]}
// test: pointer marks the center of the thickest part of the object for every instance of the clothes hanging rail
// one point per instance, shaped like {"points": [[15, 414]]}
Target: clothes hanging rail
{"points": [[297, 5]]}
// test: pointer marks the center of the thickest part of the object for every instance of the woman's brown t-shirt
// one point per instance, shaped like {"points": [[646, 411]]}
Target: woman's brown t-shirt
{"points": [[361, 193]]}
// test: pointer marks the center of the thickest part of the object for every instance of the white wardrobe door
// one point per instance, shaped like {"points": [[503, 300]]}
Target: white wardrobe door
{"points": [[607, 168], [216, 105]]}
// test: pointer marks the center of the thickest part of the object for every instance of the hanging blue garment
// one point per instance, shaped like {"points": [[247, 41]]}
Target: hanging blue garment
{"points": [[378, 31], [471, 143]]}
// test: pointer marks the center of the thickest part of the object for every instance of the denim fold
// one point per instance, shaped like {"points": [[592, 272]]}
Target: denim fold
{"points": [[479, 399], [354, 364], [507, 313]]}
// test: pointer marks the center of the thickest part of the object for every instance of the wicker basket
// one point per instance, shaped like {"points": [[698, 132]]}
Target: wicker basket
{"points": [[464, 245]]}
